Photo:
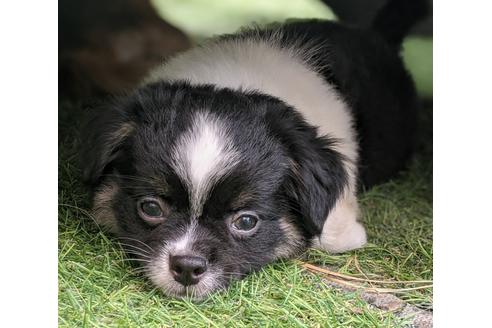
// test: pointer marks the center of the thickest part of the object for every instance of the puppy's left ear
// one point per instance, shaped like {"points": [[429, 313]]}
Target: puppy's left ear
{"points": [[317, 180], [102, 136], [317, 175]]}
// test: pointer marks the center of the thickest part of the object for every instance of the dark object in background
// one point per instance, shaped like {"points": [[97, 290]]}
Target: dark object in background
{"points": [[362, 12], [107, 46]]}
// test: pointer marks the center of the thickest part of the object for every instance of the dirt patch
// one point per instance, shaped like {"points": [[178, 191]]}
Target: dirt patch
{"points": [[418, 318]]}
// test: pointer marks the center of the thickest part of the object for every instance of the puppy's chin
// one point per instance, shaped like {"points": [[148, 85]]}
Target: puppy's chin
{"points": [[158, 272], [196, 292]]}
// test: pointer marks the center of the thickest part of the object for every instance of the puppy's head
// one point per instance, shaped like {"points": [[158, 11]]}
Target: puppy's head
{"points": [[204, 185]]}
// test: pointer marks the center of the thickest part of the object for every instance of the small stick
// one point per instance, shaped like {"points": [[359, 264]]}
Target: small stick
{"points": [[341, 275]]}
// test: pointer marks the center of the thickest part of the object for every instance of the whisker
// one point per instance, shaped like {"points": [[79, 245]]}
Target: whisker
{"points": [[136, 194], [245, 263], [139, 260], [141, 255], [139, 241], [83, 211], [135, 247], [131, 177], [133, 259], [142, 269], [233, 273], [137, 252], [146, 257]]}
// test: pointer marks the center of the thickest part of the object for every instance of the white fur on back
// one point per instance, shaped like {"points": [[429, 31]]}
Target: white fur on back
{"points": [[202, 155]]}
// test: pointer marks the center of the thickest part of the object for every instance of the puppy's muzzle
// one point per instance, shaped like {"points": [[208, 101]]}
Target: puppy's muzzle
{"points": [[186, 269]]}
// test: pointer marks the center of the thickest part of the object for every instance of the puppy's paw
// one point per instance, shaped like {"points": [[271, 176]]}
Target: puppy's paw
{"points": [[341, 231]]}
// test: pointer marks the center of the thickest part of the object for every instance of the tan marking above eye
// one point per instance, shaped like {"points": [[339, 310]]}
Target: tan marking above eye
{"points": [[123, 131], [102, 210]]}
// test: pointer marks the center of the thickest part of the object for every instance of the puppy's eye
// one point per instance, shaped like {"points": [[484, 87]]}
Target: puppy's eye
{"points": [[152, 210], [245, 222]]}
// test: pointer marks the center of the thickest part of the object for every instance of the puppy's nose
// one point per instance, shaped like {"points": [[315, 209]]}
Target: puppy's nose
{"points": [[187, 269]]}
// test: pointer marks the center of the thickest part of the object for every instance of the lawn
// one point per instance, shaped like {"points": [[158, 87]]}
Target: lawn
{"points": [[97, 287]]}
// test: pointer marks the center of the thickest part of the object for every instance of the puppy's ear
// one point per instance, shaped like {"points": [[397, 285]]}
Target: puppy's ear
{"points": [[317, 175], [316, 182], [108, 126]]}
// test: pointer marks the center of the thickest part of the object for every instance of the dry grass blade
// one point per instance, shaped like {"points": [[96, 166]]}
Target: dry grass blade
{"points": [[311, 267], [375, 289]]}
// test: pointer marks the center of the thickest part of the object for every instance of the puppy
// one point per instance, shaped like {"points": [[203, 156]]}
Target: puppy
{"points": [[251, 148]]}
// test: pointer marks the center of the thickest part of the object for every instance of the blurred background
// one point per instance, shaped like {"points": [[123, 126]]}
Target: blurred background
{"points": [[107, 46]]}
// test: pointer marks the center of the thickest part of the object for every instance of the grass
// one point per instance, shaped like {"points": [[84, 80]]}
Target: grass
{"points": [[98, 288]]}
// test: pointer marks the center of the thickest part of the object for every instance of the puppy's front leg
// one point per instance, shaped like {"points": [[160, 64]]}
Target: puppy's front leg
{"points": [[341, 231]]}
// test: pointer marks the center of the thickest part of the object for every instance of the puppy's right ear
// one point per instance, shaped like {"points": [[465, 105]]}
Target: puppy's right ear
{"points": [[102, 136]]}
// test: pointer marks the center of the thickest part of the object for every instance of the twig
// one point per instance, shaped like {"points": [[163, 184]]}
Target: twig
{"points": [[347, 277]]}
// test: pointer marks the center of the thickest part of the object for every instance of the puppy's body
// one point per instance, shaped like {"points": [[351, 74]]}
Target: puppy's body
{"points": [[250, 148]]}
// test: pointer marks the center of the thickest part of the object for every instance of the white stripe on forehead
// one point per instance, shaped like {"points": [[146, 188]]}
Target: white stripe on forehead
{"points": [[202, 155], [183, 245]]}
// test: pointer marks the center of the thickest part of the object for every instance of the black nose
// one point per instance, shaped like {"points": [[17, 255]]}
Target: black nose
{"points": [[187, 269]]}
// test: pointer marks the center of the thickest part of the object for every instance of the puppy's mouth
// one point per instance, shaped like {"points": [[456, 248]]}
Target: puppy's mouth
{"points": [[196, 292], [186, 277], [209, 284]]}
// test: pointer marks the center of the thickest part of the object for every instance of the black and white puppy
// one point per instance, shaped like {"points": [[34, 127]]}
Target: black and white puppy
{"points": [[251, 148]]}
